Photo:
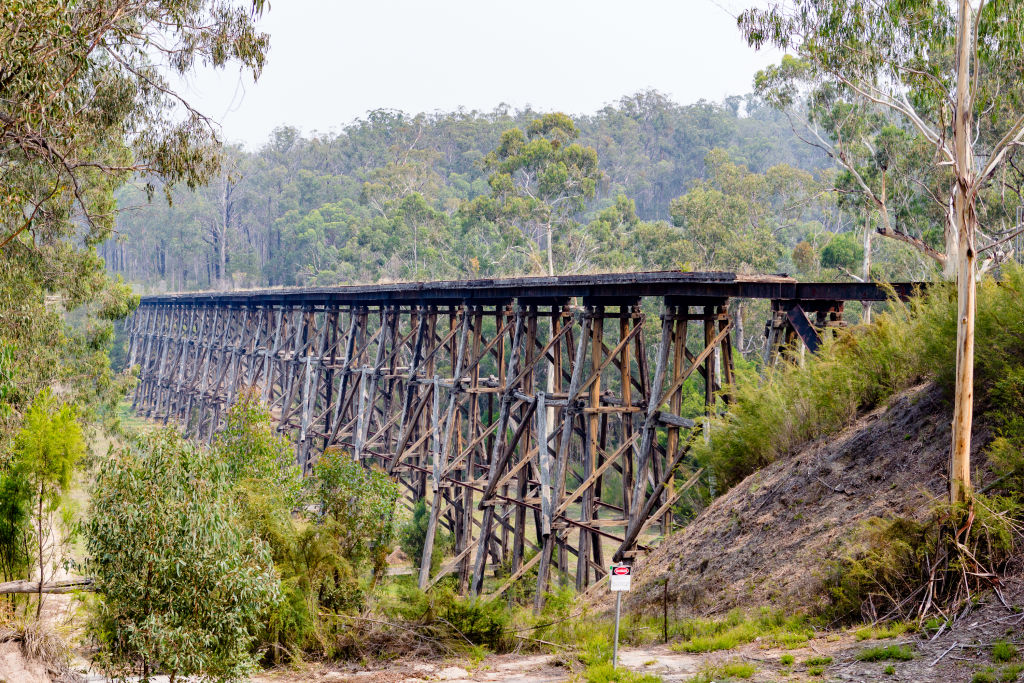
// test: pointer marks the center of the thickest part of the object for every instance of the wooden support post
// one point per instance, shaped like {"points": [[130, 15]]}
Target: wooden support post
{"points": [[561, 462], [497, 452]]}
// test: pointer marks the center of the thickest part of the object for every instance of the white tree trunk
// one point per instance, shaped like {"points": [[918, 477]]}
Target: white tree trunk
{"points": [[966, 220], [866, 267]]}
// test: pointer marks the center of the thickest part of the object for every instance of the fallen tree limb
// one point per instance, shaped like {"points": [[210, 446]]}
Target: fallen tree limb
{"points": [[62, 586]]}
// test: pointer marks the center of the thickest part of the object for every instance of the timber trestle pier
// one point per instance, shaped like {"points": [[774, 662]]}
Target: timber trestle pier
{"points": [[540, 418]]}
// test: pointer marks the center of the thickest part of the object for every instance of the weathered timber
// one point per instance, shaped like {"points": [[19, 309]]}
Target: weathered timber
{"points": [[529, 399], [62, 586]]}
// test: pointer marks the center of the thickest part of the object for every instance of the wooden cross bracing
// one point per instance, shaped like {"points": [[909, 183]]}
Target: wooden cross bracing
{"points": [[544, 432], [527, 426]]}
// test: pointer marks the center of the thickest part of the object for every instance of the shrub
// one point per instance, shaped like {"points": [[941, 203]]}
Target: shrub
{"points": [[359, 505], [886, 560], [883, 653], [254, 452], [324, 559], [1003, 651], [889, 630], [772, 416], [46, 450], [413, 534], [604, 673], [481, 622], [706, 635], [181, 588]]}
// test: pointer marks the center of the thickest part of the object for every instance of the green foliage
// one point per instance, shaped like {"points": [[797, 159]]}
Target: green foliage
{"points": [[412, 536], [453, 620], [725, 671], [733, 217], [786, 660], [254, 453], [182, 589], [772, 416], [1011, 673], [1003, 651], [46, 450], [843, 251], [358, 504], [15, 500], [891, 558], [35, 479], [710, 635], [804, 257], [881, 631], [400, 196], [877, 84], [86, 108], [324, 560], [793, 403], [604, 673], [886, 653], [482, 622]]}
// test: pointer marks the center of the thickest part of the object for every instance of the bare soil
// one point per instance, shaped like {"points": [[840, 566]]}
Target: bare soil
{"points": [[769, 540]]}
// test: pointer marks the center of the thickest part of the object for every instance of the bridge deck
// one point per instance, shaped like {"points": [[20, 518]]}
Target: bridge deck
{"points": [[604, 286]]}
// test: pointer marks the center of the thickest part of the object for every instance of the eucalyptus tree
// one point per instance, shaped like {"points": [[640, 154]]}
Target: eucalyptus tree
{"points": [[85, 104], [541, 179], [183, 587], [949, 71]]}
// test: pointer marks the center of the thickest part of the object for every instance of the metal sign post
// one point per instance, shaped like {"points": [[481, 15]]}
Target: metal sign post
{"points": [[619, 580]]}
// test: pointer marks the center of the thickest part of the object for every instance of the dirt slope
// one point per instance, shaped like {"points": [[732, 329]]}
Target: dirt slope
{"points": [[767, 542]]}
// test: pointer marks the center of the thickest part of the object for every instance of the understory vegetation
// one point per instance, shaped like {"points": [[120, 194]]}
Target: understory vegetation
{"points": [[898, 568]]}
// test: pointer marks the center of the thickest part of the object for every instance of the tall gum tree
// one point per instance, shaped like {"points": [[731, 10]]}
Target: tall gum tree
{"points": [[949, 71], [86, 103]]}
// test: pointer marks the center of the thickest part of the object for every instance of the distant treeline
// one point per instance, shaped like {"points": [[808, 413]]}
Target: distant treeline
{"points": [[394, 196]]}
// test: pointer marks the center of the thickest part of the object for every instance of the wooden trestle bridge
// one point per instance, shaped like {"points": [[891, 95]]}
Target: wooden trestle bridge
{"points": [[529, 413]]}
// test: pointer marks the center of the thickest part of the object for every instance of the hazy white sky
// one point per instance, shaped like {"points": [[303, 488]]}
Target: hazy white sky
{"points": [[331, 61]]}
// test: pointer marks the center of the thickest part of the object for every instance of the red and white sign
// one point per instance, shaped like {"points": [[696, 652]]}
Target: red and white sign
{"points": [[621, 577]]}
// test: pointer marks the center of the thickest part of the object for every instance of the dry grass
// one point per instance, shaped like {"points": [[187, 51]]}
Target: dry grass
{"points": [[40, 642]]}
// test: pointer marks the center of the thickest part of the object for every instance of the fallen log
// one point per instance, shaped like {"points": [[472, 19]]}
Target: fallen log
{"points": [[62, 586]]}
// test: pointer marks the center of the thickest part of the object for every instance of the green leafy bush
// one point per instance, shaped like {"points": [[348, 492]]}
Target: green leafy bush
{"points": [[254, 452], [182, 589], [604, 673], [793, 404], [889, 559], [1003, 651], [325, 559], [37, 477], [482, 622], [359, 505], [412, 536]]}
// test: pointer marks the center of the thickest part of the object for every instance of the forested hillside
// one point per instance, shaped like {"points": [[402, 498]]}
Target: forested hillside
{"points": [[642, 184]]}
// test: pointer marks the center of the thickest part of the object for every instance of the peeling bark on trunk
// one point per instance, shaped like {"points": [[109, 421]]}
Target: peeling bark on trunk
{"points": [[966, 220]]}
